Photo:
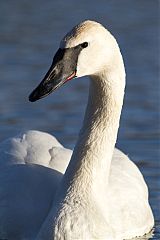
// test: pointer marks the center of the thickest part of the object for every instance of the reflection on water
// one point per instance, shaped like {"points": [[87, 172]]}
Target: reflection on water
{"points": [[30, 34]]}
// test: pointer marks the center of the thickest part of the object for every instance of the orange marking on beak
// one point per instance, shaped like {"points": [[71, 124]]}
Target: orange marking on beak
{"points": [[71, 76]]}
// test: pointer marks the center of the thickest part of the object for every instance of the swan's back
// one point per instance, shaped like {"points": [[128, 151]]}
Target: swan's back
{"points": [[31, 167], [35, 147]]}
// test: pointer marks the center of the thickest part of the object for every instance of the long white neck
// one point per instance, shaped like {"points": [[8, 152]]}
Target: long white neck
{"points": [[88, 170], [93, 152]]}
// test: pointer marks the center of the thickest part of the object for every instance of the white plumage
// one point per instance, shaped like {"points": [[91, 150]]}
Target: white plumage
{"points": [[31, 167], [102, 194]]}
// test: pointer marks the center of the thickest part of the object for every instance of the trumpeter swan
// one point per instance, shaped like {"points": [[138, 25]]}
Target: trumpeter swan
{"points": [[102, 194]]}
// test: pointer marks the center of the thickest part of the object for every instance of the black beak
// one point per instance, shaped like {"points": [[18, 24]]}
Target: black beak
{"points": [[63, 69]]}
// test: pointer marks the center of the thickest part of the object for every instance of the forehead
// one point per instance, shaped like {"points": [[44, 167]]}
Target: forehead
{"points": [[85, 32]]}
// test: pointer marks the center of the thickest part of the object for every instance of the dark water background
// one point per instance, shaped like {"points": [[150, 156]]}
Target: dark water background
{"points": [[30, 32]]}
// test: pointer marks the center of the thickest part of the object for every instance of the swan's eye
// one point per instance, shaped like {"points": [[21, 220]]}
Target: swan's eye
{"points": [[84, 45]]}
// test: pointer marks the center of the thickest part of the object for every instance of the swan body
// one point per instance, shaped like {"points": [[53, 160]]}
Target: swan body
{"points": [[102, 194], [31, 166]]}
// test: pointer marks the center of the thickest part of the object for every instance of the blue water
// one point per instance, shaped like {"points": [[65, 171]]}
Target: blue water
{"points": [[29, 36]]}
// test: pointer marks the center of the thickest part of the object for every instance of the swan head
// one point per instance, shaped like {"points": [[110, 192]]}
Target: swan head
{"points": [[86, 50]]}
